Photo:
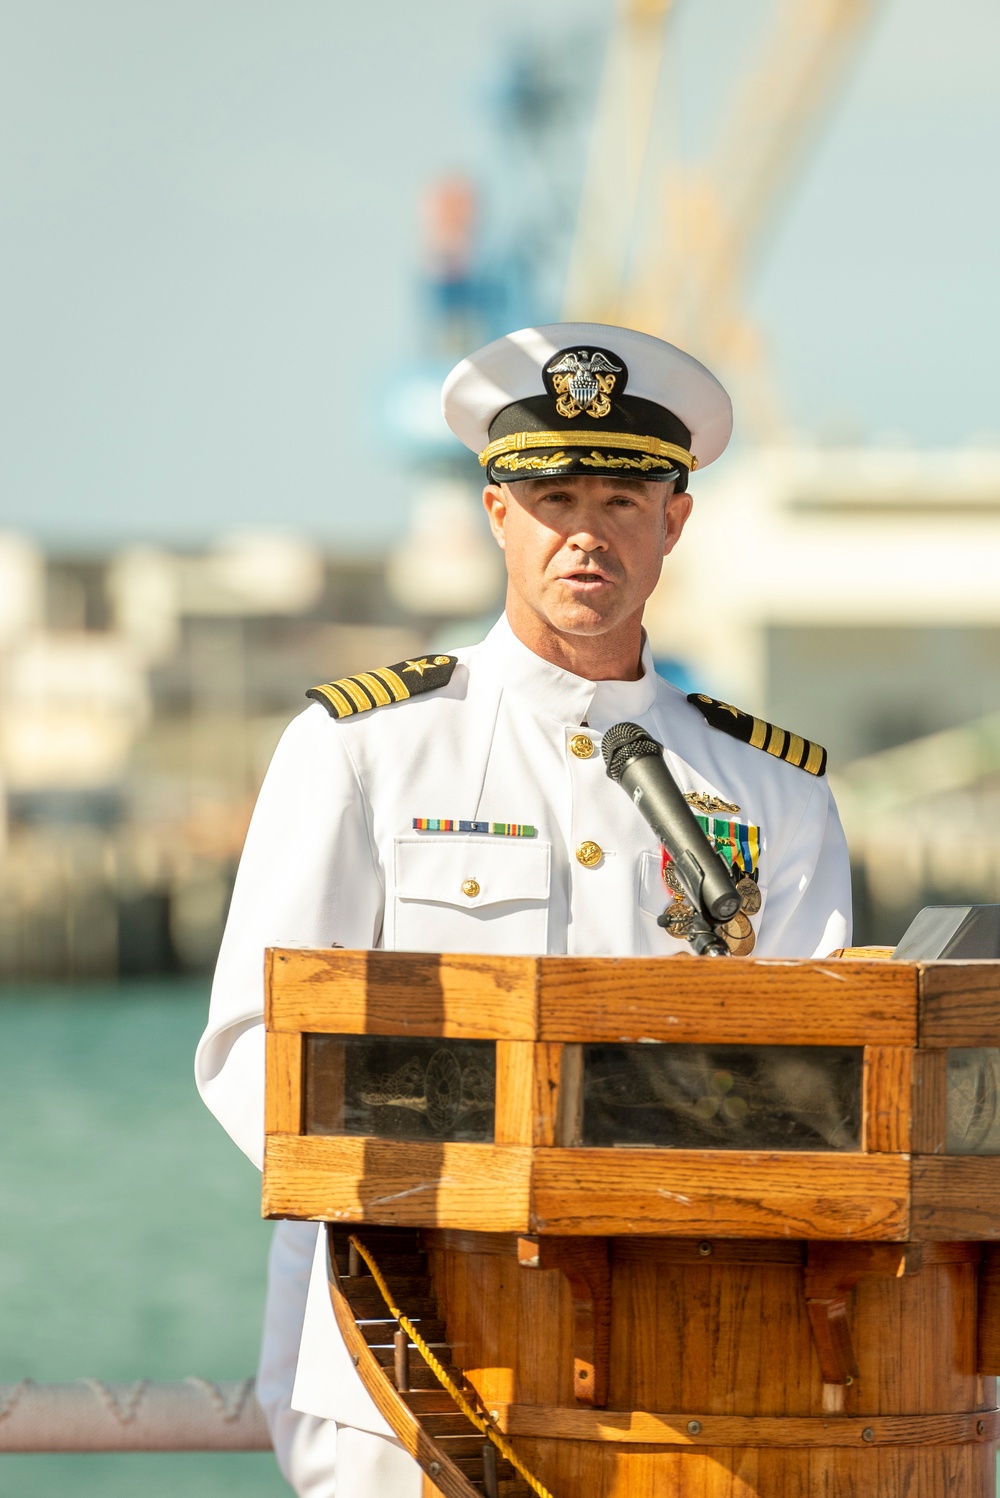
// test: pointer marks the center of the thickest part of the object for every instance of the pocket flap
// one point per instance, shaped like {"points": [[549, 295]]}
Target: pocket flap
{"points": [[654, 896], [471, 871]]}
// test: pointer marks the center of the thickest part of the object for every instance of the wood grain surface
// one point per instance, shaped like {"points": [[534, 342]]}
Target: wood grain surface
{"points": [[929, 1112], [401, 993], [956, 1196], [510, 1188], [723, 1193], [959, 1003], [528, 1076], [915, 1339], [611, 1471], [832, 1271], [646, 1251], [748, 1002], [728, 1343], [639, 1427], [460, 1240], [374, 1180], [512, 1327], [585, 1265], [887, 1094], [283, 1084], [591, 999], [988, 1311]]}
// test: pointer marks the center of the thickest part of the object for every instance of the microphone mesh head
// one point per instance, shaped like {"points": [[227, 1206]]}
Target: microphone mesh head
{"points": [[622, 744]]}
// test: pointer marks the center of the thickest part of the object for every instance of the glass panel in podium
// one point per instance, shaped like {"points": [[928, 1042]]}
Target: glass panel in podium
{"points": [[398, 1088], [739, 1097], [974, 1101]]}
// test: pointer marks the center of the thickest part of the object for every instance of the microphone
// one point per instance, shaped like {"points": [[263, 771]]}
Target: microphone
{"points": [[635, 761]]}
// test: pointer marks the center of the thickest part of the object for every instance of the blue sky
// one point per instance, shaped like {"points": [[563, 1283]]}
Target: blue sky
{"points": [[210, 218]]}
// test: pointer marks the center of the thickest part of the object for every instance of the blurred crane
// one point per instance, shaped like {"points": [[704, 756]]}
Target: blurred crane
{"points": [[665, 244]]}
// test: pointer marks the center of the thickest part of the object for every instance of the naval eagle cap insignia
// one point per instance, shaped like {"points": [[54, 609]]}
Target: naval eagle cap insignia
{"points": [[583, 380]]}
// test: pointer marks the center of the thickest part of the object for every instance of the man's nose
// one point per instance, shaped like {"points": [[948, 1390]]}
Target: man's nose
{"points": [[587, 540]]}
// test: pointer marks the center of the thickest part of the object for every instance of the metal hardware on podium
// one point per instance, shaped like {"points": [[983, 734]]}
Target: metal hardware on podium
{"points": [[961, 932]]}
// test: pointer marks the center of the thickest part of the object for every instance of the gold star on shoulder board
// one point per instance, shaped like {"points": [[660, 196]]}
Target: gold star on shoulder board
{"points": [[720, 707], [418, 666]]}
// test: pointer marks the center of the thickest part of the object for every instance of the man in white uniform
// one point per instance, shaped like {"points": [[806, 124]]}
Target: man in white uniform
{"points": [[460, 802]]}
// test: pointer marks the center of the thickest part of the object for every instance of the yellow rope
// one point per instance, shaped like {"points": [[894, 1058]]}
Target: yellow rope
{"points": [[443, 1379]]}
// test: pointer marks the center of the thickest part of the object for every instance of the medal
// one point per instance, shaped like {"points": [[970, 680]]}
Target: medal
{"points": [[676, 919], [738, 935], [739, 846], [749, 895]]}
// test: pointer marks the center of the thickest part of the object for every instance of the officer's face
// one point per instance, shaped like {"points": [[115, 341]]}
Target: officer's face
{"points": [[584, 554]]}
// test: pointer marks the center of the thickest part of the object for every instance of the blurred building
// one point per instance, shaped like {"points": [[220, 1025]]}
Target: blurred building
{"points": [[141, 696]]}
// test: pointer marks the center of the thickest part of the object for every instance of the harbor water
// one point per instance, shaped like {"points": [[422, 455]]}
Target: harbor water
{"points": [[131, 1244]]}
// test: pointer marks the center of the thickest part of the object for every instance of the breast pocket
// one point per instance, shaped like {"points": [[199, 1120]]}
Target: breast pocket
{"points": [[654, 896], [469, 894]]}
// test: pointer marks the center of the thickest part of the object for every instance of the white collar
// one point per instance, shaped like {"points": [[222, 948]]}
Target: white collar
{"points": [[558, 693]]}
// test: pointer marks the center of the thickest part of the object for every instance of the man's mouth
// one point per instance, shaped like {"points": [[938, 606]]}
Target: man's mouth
{"points": [[587, 577]]}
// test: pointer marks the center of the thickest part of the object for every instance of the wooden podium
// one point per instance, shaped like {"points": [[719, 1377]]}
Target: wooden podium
{"points": [[712, 1229]]}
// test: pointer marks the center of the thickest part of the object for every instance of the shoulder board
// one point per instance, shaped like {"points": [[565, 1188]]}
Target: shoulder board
{"points": [[359, 694], [802, 753]]}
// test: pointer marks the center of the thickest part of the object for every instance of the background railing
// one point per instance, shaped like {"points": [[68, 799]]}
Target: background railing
{"points": [[89, 1415]]}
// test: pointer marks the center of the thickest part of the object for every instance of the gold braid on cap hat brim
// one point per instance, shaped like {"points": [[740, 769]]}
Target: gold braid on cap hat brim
{"points": [[653, 447]]}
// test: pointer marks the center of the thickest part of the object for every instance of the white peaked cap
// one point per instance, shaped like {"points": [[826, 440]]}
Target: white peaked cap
{"points": [[510, 370]]}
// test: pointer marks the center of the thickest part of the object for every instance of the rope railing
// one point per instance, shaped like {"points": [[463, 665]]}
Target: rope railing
{"points": [[89, 1415], [484, 1426]]}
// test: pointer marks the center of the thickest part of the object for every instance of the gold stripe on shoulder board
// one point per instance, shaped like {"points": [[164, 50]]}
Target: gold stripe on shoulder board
{"points": [[358, 695], [384, 686], [333, 698], [375, 688], [396, 685], [759, 734]]}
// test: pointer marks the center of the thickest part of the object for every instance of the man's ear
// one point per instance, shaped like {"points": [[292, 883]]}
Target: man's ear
{"points": [[675, 518], [495, 504]]}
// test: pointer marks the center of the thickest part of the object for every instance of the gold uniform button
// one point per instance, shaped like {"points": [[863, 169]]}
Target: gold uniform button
{"points": [[589, 854], [471, 888], [581, 746]]}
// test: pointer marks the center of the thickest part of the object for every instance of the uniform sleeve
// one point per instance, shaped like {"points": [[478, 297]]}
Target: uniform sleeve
{"points": [[808, 909], [308, 878]]}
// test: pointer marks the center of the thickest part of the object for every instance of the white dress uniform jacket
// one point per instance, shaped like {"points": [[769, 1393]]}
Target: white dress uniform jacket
{"points": [[332, 856]]}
